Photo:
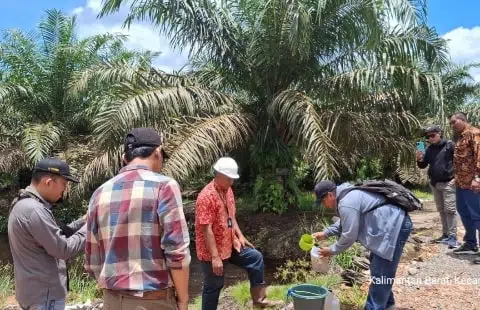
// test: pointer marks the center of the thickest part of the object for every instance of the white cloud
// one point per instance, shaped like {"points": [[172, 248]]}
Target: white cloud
{"points": [[94, 5], [464, 45], [140, 36], [77, 11]]}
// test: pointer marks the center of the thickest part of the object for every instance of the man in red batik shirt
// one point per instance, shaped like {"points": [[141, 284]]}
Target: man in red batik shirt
{"points": [[220, 240]]}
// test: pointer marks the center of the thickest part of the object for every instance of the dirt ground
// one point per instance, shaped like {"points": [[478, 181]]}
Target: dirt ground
{"points": [[436, 278]]}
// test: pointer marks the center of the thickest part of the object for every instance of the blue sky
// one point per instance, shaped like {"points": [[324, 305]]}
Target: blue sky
{"points": [[456, 20]]}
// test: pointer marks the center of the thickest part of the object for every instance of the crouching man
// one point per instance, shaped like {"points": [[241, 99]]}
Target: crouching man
{"points": [[382, 230], [219, 239]]}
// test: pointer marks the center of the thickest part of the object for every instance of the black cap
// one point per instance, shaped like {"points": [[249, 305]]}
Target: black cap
{"points": [[139, 137], [323, 188], [432, 128], [55, 166]]}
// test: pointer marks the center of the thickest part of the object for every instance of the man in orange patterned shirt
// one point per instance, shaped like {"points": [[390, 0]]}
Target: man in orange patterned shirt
{"points": [[220, 240], [467, 179]]}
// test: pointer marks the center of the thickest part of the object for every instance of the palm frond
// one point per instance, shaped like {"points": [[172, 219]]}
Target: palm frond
{"points": [[98, 170], [413, 44], [56, 29], [11, 159], [370, 134], [366, 79], [10, 93], [297, 111], [39, 140], [200, 143], [200, 25], [407, 12], [100, 75]]}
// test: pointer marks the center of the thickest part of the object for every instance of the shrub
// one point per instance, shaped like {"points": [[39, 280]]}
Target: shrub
{"points": [[294, 271], [271, 195]]}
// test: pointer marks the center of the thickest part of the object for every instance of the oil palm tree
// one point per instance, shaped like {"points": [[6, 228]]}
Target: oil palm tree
{"points": [[36, 68], [331, 77]]}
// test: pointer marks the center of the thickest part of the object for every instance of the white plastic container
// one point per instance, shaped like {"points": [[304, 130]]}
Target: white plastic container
{"points": [[319, 264]]}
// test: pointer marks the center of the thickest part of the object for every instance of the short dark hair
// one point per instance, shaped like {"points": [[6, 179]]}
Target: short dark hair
{"points": [[460, 115], [37, 175], [139, 152]]}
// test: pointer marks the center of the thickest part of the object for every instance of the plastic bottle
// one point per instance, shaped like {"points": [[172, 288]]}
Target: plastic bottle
{"points": [[319, 264]]}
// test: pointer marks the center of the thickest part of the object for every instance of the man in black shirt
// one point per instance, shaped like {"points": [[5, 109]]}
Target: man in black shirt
{"points": [[439, 157]]}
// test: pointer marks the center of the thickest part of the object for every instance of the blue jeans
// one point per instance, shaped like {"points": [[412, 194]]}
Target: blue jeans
{"points": [[48, 305], [249, 259], [468, 206], [382, 271]]}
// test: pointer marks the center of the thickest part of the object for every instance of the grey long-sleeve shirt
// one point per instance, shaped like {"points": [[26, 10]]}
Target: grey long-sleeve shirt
{"points": [[39, 250], [376, 230]]}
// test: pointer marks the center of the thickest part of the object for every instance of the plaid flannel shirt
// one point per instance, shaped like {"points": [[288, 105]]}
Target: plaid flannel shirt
{"points": [[136, 231]]}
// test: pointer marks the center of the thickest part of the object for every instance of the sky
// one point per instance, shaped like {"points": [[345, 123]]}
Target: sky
{"points": [[458, 21]]}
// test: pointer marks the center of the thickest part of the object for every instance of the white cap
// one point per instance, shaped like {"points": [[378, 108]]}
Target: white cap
{"points": [[227, 166]]}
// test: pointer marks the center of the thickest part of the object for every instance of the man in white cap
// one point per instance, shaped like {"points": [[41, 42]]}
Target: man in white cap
{"points": [[220, 240]]}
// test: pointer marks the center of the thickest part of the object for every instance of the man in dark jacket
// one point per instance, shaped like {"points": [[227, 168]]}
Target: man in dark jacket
{"points": [[439, 157]]}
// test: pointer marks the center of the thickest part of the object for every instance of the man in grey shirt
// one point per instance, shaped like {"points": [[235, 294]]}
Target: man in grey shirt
{"points": [[39, 247], [380, 227]]}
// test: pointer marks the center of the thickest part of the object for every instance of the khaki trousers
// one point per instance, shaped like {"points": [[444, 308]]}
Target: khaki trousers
{"points": [[117, 301], [444, 196]]}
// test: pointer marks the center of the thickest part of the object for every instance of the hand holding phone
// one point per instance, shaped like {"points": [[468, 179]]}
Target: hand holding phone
{"points": [[420, 150], [421, 146]]}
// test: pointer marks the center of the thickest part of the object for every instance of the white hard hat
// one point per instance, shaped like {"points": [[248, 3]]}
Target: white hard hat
{"points": [[227, 166]]}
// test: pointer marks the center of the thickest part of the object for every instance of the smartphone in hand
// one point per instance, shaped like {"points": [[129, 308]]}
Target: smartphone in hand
{"points": [[421, 146]]}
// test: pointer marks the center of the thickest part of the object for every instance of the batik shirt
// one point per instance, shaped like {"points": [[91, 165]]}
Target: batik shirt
{"points": [[467, 157], [212, 209]]}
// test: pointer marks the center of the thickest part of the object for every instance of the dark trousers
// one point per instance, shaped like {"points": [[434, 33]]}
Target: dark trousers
{"points": [[249, 259], [468, 206], [382, 271]]}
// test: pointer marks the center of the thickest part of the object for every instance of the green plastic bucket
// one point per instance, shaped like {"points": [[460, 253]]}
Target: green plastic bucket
{"points": [[308, 296]]}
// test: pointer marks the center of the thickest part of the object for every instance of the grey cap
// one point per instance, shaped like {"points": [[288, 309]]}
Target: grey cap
{"points": [[431, 129], [323, 188]]}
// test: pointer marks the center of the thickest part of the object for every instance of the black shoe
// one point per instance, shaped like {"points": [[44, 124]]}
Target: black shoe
{"points": [[442, 238], [466, 249]]}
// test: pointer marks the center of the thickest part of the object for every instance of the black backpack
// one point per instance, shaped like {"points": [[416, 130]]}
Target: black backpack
{"points": [[394, 193]]}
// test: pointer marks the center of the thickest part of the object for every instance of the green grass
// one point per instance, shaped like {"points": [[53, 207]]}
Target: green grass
{"points": [[422, 194], [196, 303], [6, 283], [82, 286], [241, 291], [345, 259], [353, 298]]}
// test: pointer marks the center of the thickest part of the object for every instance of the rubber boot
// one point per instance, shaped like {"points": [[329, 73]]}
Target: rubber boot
{"points": [[259, 298]]}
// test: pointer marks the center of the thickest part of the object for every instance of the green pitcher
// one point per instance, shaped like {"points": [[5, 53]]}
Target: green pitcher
{"points": [[306, 242]]}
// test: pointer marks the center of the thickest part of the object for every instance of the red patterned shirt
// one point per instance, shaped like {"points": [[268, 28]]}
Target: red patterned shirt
{"points": [[211, 209]]}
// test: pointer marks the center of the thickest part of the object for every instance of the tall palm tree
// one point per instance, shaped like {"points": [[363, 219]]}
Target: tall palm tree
{"points": [[331, 77], [36, 69]]}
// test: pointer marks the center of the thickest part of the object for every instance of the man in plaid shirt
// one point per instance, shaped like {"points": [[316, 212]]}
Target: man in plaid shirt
{"points": [[137, 239]]}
